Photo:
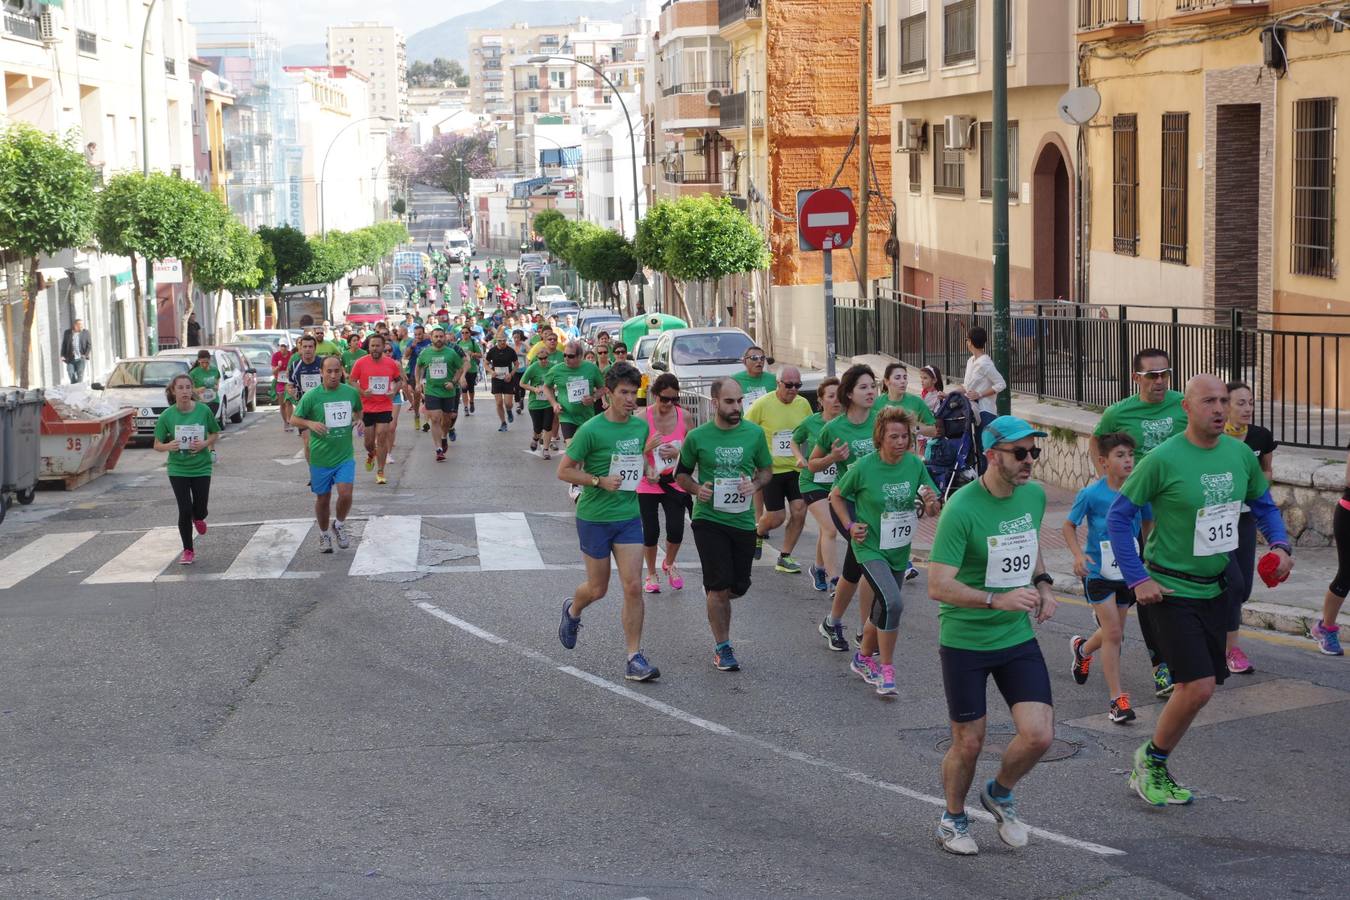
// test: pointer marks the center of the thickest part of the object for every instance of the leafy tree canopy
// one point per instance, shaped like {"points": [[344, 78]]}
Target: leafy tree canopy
{"points": [[47, 199]]}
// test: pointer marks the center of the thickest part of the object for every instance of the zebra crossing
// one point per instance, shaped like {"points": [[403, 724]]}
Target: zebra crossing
{"points": [[285, 549]]}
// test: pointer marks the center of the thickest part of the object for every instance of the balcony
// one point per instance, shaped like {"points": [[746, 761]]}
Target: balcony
{"points": [[86, 42], [22, 25], [731, 13], [694, 87], [1218, 10], [736, 109], [493, 63], [688, 17], [1095, 15]]}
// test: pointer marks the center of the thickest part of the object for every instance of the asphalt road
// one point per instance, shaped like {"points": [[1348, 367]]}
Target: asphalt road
{"points": [[399, 720]]}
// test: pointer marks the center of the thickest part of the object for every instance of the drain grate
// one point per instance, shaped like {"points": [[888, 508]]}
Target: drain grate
{"points": [[995, 744]]}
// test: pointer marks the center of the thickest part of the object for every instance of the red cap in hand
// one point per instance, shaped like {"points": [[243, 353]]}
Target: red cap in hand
{"points": [[1267, 567]]}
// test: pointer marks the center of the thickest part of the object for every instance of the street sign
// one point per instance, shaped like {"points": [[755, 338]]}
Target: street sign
{"points": [[825, 215], [168, 271]]}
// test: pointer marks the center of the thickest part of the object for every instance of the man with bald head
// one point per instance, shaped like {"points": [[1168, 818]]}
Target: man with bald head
{"points": [[779, 413], [1196, 483], [571, 388]]}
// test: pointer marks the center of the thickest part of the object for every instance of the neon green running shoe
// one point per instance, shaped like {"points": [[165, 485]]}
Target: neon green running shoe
{"points": [[1154, 784]]}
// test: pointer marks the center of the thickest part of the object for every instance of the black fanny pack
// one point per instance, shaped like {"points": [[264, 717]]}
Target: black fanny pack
{"points": [[1220, 579]]}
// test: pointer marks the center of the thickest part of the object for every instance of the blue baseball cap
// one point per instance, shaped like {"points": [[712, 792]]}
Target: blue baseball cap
{"points": [[1006, 429]]}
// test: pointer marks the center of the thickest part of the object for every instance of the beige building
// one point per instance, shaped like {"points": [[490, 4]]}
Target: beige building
{"points": [[380, 52], [493, 52]]}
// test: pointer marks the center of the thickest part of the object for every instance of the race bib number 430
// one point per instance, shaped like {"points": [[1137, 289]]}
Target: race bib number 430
{"points": [[1011, 557]]}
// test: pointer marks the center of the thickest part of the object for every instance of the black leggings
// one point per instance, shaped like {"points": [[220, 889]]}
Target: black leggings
{"points": [[675, 503], [1340, 529], [191, 492]]}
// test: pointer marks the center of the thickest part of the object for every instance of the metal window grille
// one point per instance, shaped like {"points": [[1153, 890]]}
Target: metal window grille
{"points": [[915, 172], [987, 161], [1314, 237], [914, 43], [1175, 150], [1125, 183], [949, 166], [958, 32]]}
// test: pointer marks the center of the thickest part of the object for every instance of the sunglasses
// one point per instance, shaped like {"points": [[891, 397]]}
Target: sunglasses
{"points": [[665, 399], [791, 385], [1021, 453], [569, 356], [755, 358], [1155, 374]]}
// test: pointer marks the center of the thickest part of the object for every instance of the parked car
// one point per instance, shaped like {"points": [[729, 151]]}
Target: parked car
{"points": [[701, 354], [548, 293], [268, 336], [641, 356], [138, 383], [258, 357], [231, 401], [562, 309], [458, 247], [367, 311]]}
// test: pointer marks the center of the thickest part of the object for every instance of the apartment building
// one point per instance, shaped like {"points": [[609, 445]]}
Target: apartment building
{"points": [[211, 96], [381, 53]]}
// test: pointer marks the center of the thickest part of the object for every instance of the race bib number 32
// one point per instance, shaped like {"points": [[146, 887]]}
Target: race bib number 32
{"points": [[1011, 557], [782, 443]]}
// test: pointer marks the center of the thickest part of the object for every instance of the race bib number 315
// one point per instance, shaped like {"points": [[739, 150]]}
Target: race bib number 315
{"points": [[1216, 529]]}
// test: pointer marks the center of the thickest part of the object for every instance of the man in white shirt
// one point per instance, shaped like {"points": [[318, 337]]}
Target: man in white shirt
{"points": [[981, 385]]}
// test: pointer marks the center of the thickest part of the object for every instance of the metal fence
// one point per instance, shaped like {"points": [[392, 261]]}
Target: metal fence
{"points": [[1298, 364]]}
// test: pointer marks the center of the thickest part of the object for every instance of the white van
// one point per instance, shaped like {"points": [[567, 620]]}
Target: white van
{"points": [[457, 245]]}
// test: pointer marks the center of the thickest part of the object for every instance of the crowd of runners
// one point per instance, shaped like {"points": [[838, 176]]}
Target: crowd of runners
{"points": [[1169, 527]]}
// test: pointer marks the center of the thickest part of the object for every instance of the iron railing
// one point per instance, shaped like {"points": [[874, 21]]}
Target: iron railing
{"points": [[1298, 364], [729, 12], [23, 25], [694, 87], [86, 42], [733, 113], [1103, 13], [1186, 6]]}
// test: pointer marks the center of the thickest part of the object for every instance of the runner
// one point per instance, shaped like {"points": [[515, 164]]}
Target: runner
{"points": [[843, 441], [503, 362], [1196, 483], [379, 380], [205, 377], [779, 413], [281, 362], [187, 431], [572, 388], [522, 347], [328, 412], [326, 347], [896, 381], [876, 501], [1103, 585], [1327, 632], [814, 485], [604, 459], [542, 417], [306, 375], [987, 573], [420, 342], [754, 381], [440, 368], [731, 459], [658, 489], [472, 351], [547, 343], [353, 352], [1151, 416], [1242, 561]]}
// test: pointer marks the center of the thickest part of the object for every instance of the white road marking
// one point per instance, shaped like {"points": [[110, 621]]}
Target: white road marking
{"points": [[269, 552], [142, 561], [388, 544], [505, 543], [30, 558], [717, 728]]}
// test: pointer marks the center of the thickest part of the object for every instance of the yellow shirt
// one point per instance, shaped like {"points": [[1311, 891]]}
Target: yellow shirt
{"points": [[779, 420]]}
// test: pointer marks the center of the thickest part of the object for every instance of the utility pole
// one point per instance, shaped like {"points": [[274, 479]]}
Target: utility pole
{"points": [[151, 306], [1002, 311], [864, 154]]}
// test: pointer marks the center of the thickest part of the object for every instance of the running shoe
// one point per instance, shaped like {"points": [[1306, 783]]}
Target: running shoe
{"points": [[380, 479], [200, 525], [1238, 663], [1011, 830], [886, 686], [340, 534], [1121, 711], [370, 461], [502, 427], [188, 558], [1081, 664], [510, 416], [546, 456], [652, 585], [759, 546], [641, 670], [818, 579], [787, 565], [911, 573], [426, 426], [440, 455], [953, 835], [534, 445], [325, 543], [569, 627], [1162, 681], [724, 658], [866, 668], [834, 634], [1328, 639], [1154, 784], [451, 434]]}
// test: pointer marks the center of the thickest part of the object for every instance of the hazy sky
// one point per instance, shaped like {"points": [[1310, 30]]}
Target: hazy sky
{"points": [[305, 21]]}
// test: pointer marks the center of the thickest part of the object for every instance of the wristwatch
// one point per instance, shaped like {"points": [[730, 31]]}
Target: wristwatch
{"points": [[595, 481], [1043, 578]]}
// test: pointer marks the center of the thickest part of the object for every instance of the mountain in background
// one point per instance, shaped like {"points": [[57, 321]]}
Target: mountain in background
{"points": [[305, 55], [450, 39]]}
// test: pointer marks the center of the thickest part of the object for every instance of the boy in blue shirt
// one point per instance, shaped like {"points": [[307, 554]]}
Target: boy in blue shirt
{"points": [[1102, 580]]}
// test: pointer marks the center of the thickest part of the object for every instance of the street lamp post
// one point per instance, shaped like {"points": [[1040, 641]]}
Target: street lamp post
{"points": [[323, 169], [638, 278], [151, 320]]}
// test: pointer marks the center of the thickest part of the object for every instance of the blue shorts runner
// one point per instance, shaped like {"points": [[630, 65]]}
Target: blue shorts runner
{"points": [[321, 480], [1019, 671], [1099, 590], [598, 538]]}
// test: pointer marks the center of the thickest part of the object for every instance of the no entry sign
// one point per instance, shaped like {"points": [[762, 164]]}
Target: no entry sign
{"points": [[825, 215]]}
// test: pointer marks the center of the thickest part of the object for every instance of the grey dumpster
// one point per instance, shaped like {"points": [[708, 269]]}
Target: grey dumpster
{"points": [[20, 424]]}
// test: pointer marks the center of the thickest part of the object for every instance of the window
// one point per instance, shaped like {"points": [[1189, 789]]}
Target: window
{"points": [[915, 172], [949, 166], [1174, 153], [557, 79], [913, 36], [1008, 34], [1125, 183], [609, 209], [1314, 244], [987, 160], [958, 32], [881, 13]]}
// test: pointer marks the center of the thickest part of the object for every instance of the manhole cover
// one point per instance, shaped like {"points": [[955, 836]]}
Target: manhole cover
{"points": [[995, 744]]}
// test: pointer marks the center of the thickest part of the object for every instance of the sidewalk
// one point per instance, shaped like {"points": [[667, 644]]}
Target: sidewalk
{"points": [[1293, 607]]}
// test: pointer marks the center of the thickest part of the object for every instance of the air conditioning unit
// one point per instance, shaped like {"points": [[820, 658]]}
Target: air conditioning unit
{"points": [[913, 136], [714, 97], [956, 132], [48, 26]]}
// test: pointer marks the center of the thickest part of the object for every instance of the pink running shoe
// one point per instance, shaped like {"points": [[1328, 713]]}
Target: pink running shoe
{"points": [[653, 585], [200, 525], [188, 558], [1238, 663], [673, 576]]}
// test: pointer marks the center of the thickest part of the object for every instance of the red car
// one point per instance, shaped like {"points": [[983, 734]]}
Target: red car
{"points": [[367, 311]]}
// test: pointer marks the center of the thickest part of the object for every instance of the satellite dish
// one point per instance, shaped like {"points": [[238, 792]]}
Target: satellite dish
{"points": [[1078, 106]]}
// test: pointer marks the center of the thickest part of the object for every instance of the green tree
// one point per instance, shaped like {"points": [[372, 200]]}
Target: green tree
{"points": [[545, 220], [652, 231], [291, 256], [708, 239], [399, 207], [47, 205], [604, 255], [236, 268]]}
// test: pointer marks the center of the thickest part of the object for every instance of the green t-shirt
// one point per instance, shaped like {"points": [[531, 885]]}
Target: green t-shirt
{"points": [[602, 447], [583, 381], [879, 490], [754, 388], [974, 523], [723, 457], [337, 410], [913, 404], [1148, 423], [534, 377], [205, 379], [1196, 495], [349, 358], [779, 420], [183, 426], [468, 348], [327, 348], [438, 368], [858, 438], [804, 436]]}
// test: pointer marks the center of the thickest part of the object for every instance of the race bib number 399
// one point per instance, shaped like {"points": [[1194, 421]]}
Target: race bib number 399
{"points": [[1011, 558]]}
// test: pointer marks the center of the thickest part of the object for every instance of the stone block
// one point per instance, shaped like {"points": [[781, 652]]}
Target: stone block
{"points": [[1311, 537], [1296, 469], [1295, 521], [1330, 478]]}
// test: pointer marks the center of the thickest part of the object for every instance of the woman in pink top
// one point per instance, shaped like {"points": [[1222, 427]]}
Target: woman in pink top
{"points": [[658, 490]]}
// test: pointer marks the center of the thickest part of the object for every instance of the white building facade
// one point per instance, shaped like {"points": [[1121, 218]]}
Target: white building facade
{"points": [[379, 52]]}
